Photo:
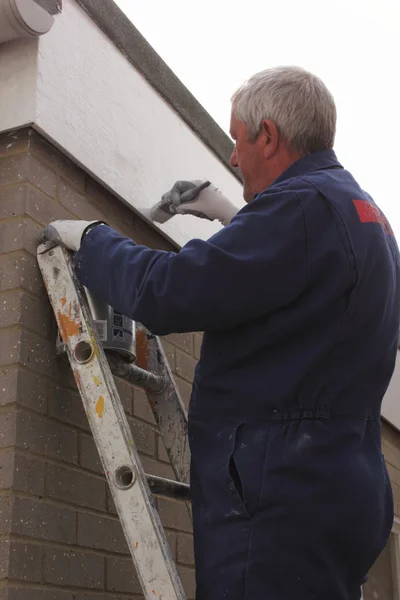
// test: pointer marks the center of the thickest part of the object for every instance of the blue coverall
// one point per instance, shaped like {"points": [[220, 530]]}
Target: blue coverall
{"points": [[299, 301]]}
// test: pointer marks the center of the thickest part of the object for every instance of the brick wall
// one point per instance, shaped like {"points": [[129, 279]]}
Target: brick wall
{"points": [[60, 538]]}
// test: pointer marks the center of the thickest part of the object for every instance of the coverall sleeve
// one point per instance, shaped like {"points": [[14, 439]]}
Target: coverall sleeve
{"points": [[253, 266]]}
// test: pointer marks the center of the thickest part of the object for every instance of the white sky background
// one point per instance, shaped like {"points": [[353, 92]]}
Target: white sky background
{"points": [[353, 45]]}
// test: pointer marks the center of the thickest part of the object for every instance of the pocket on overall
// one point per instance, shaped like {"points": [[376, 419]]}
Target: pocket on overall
{"points": [[247, 463]]}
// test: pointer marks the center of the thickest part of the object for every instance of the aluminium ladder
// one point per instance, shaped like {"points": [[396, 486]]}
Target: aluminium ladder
{"points": [[131, 488]]}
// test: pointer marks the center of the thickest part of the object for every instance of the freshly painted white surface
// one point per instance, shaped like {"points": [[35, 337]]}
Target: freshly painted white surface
{"points": [[391, 401], [18, 72], [100, 110]]}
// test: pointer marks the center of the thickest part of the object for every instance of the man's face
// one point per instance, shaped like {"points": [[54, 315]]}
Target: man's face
{"points": [[249, 157]]}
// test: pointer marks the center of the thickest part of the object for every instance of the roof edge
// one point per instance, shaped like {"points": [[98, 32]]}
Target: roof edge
{"points": [[121, 31]]}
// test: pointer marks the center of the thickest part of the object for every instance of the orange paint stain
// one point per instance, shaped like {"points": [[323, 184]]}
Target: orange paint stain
{"points": [[154, 592], [100, 407], [63, 302], [137, 545], [68, 327]]}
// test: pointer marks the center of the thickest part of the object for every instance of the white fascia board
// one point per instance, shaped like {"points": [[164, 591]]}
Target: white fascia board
{"points": [[93, 104], [18, 78]]}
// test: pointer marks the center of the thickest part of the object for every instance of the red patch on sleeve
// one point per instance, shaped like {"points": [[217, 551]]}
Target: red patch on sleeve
{"points": [[368, 213]]}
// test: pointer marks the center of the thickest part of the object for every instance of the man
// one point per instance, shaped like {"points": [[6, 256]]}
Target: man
{"points": [[299, 299]]}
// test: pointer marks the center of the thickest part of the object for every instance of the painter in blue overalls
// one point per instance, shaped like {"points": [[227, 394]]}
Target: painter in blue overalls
{"points": [[298, 296]]}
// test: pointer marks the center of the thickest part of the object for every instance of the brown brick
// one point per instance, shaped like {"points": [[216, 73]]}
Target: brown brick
{"points": [[62, 374], [23, 167], [121, 576], [37, 353], [144, 436], [110, 501], [8, 385], [76, 487], [41, 521], [185, 366], [77, 204], [198, 339], [185, 390], [101, 533], [23, 387], [124, 390], [8, 428], [391, 453], [5, 515], [12, 201], [67, 406], [174, 514], [24, 561], [161, 451], [169, 350], [46, 437], [42, 176], [43, 209], [396, 491], [15, 141], [182, 340], [7, 458], [14, 169], [185, 549], [188, 580], [10, 346], [23, 593], [20, 270], [58, 161], [4, 558], [171, 539], [75, 569], [88, 456], [28, 475], [394, 473], [17, 308], [155, 467], [19, 234], [141, 406]]}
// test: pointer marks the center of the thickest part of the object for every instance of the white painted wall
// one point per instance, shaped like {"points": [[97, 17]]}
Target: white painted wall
{"points": [[18, 72], [391, 401], [99, 109]]}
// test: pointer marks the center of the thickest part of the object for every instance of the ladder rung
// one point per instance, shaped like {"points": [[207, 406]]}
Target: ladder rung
{"points": [[134, 374], [168, 487]]}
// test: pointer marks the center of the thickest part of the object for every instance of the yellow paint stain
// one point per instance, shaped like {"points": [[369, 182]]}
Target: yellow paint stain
{"points": [[100, 407], [96, 380]]}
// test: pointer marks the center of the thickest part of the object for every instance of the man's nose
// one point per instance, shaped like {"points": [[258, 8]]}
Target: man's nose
{"points": [[233, 159]]}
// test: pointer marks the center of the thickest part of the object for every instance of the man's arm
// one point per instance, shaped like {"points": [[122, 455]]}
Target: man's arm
{"points": [[255, 265]]}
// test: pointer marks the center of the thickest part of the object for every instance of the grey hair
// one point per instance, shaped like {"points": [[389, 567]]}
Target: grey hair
{"points": [[298, 102]]}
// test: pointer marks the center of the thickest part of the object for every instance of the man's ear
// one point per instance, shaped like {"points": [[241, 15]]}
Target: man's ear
{"points": [[269, 136]]}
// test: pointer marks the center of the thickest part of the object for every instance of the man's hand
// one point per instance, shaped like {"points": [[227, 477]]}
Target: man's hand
{"points": [[199, 198], [68, 233]]}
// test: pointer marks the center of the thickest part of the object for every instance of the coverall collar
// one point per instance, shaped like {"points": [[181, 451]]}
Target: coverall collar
{"points": [[322, 159]]}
